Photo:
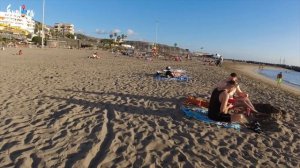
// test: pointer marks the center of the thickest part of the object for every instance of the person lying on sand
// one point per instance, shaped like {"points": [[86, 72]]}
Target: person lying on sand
{"points": [[172, 73], [237, 96], [178, 58], [219, 105], [94, 55]]}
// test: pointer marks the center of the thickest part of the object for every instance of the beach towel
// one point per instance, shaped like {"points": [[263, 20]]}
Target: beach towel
{"points": [[160, 75], [199, 102], [163, 78], [201, 115]]}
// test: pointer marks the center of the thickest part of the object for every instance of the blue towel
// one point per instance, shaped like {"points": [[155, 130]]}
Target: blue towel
{"points": [[201, 115], [181, 78]]}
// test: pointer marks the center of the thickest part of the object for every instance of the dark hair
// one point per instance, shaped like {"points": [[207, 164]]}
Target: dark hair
{"points": [[233, 75], [231, 82]]}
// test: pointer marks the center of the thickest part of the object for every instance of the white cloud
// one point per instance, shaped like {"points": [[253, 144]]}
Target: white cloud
{"points": [[99, 31], [79, 31], [116, 31], [130, 32]]}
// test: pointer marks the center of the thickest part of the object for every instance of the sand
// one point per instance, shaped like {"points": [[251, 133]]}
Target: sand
{"points": [[61, 109]]}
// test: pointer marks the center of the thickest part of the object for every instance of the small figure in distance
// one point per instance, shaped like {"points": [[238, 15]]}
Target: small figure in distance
{"points": [[20, 52], [279, 79], [169, 73], [94, 55]]}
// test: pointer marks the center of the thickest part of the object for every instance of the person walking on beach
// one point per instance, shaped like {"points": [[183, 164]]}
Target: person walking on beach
{"points": [[279, 79], [219, 60]]}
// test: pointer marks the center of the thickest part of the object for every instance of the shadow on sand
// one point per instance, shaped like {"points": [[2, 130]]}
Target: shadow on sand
{"points": [[269, 124], [162, 111]]}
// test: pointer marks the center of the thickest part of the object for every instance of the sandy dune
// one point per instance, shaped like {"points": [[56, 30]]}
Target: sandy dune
{"points": [[60, 109]]}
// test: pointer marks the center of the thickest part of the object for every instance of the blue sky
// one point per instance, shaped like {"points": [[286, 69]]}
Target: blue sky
{"points": [[261, 30]]}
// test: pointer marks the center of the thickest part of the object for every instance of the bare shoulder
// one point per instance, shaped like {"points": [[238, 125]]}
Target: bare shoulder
{"points": [[224, 95]]}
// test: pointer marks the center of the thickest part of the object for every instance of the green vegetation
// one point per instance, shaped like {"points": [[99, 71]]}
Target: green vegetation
{"points": [[107, 43], [70, 36], [37, 40], [118, 38]]}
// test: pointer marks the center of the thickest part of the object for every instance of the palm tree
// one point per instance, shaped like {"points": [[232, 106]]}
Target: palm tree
{"points": [[111, 36], [38, 28], [115, 35], [119, 38], [123, 36], [175, 45], [63, 30]]}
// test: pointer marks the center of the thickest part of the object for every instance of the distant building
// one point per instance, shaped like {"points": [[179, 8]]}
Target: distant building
{"points": [[17, 21], [64, 28]]}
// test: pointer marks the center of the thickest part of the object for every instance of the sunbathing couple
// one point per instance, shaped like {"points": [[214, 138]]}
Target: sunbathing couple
{"points": [[225, 106]]}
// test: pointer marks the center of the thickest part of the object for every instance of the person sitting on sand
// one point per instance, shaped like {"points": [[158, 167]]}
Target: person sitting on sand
{"points": [[20, 52], [241, 99], [219, 105], [169, 73], [178, 58]]}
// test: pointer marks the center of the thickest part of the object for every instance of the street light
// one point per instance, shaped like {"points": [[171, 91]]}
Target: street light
{"points": [[156, 29], [43, 24]]}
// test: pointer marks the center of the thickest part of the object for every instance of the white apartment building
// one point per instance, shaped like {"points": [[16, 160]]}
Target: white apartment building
{"points": [[17, 21], [64, 28]]}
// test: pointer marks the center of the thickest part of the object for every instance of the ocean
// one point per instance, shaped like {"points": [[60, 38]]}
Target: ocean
{"points": [[289, 77]]}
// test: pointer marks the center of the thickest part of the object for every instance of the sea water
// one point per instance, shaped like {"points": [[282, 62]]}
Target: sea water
{"points": [[289, 77]]}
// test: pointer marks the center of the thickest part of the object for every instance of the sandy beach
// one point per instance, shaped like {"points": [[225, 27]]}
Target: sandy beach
{"points": [[61, 109]]}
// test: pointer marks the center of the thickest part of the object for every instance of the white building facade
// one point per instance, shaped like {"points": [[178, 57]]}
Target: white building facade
{"points": [[64, 28], [17, 21]]}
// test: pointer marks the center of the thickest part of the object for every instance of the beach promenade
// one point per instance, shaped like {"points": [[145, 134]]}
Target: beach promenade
{"points": [[61, 109]]}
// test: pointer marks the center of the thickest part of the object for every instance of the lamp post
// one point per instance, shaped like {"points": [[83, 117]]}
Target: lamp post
{"points": [[43, 24], [156, 29]]}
